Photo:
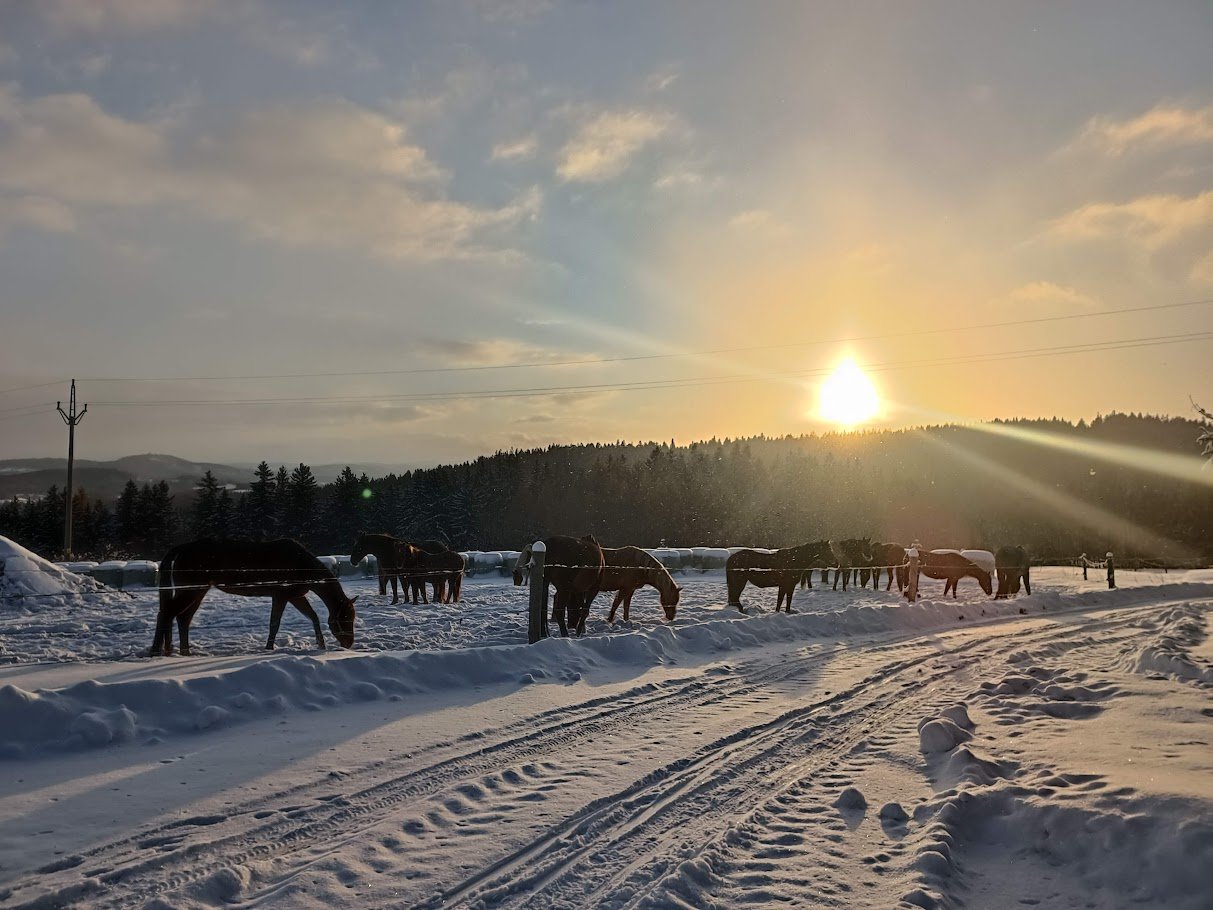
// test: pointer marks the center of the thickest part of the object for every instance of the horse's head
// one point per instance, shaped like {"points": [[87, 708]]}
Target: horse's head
{"points": [[983, 579], [669, 602], [863, 547], [341, 622], [360, 551]]}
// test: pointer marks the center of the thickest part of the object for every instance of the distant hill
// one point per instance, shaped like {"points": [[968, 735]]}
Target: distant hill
{"points": [[105, 479]]}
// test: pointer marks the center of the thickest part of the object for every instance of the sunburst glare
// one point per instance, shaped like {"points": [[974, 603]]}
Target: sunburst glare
{"points": [[847, 396]]}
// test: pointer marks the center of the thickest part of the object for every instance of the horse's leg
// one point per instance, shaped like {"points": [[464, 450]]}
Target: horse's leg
{"points": [[301, 604], [395, 590], [184, 618], [383, 576], [627, 605], [837, 575], [162, 641], [735, 582], [586, 601], [559, 608], [615, 606], [277, 606]]}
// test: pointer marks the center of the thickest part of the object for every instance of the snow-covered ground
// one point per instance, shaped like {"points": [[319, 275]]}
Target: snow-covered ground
{"points": [[1052, 751]]}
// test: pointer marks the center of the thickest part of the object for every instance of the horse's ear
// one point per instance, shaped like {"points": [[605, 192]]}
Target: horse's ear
{"points": [[354, 598]]}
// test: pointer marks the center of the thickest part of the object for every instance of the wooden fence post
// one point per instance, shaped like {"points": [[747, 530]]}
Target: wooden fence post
{"points": [[537, 622], [912, 581], [1111, 571]]}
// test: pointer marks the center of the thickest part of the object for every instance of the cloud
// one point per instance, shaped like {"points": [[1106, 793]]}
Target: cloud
{"points": [[1202, 271], [512, 11], [496, 351], [1153, 221], [516, 150], [125, 15], [322, 174], [1050, 295], [35, 211], [1162, 125], [605, 145]]}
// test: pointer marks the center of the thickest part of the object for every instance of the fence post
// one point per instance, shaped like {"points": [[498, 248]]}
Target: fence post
{"points": [[1084, 566], [912, 581], [537, 623], [1111, 572]]}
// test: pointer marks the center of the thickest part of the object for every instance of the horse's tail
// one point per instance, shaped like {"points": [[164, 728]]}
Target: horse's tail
{"points": [[456, 589]]}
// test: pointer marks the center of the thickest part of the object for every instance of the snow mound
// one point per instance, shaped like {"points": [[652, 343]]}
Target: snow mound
{"points": [[1178, 631], [24, 573], [941, 735]]}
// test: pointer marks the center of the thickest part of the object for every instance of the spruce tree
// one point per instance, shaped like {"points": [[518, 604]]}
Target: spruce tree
{"points": [[259, 516], [206, 508]]}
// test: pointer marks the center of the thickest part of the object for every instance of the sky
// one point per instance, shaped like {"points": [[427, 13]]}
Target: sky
{"points": [[421, 232]]}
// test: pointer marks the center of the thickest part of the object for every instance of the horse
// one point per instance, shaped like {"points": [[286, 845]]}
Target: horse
{"points": [[392, 556], [851, 554], [443, 570], [1012, 565], [782, 569], [438, 575], [952, 566], [574, 567], [890, 557], [282, 570], [628, 569]]}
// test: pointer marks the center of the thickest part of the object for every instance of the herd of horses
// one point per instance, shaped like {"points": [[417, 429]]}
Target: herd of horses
{"points": [[577, 568]]}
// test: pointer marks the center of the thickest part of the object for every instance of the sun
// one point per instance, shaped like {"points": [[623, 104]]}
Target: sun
{"points": [[847, 396]]}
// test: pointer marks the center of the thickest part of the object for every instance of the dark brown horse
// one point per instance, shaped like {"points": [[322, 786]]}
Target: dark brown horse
{"points": [[891, 558], [628, 569], [441, 569], [574, 567], [392, 556], [951, 566], [781, 569], [1012, 566], [850, 555], [282, 570]]}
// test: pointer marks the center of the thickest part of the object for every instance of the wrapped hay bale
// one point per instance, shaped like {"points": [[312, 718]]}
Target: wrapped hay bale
{"points": [[109, 573], [140, 573]]}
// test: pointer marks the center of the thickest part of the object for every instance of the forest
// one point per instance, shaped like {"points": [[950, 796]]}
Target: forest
{"points": [[1124, 482]]}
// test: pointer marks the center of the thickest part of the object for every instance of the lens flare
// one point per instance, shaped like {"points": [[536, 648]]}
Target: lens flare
{"points": [[847, 396]]}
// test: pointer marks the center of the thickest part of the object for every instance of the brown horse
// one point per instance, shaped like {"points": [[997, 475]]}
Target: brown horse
{"points": [[891, 558], [951, 566], [782, 569], [851, 555], [282, 570], [441, 569], [1012, 566], [628, 569], [392, 556], [574, 567], [436, 575]]}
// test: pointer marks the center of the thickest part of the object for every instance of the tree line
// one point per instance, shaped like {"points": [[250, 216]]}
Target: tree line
{"points": [[979, 486]]}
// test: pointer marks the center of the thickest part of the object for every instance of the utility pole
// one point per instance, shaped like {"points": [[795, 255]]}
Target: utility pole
{"points": [[71, 418]]}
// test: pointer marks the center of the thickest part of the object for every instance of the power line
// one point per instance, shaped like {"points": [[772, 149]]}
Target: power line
{"points": [[917, 333], [656, 384]]}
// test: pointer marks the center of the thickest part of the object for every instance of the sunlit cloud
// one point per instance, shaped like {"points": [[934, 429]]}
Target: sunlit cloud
{"points": [[605, 145], [1162, 125], [1153, 221], [329, 174], [1051, 296]]}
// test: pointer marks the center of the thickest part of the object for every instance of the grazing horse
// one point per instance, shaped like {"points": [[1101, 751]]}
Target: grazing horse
{"points": [[1011, 565], [574, 567], [782, 569], [852, 554], [282, 570], [628, 569], [952, 566], [392, 556], [891, 557]]}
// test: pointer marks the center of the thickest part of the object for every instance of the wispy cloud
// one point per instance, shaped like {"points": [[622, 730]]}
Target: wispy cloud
{"points": [[125, 15], [1047, 294], [516, 150], [1153, 221], [1162, 125], [605, 144], [328, 173]]}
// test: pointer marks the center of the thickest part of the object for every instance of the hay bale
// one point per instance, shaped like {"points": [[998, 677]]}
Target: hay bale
{"points": [[109, 573], [140, 573]]}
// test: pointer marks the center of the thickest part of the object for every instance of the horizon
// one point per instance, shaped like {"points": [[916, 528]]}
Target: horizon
{"points": [[430, 233]]}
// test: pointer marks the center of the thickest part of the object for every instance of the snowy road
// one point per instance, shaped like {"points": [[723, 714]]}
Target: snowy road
{"points": [[697, 780]]}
